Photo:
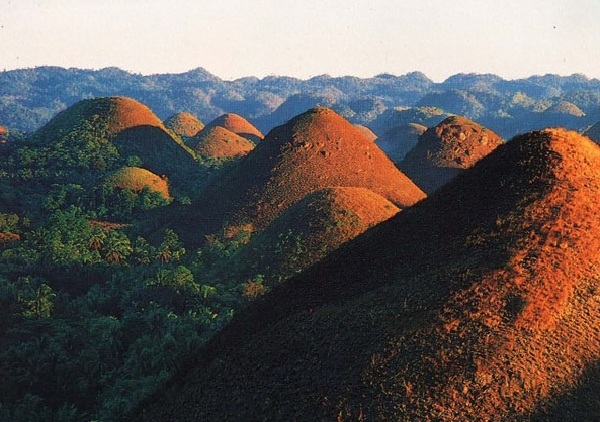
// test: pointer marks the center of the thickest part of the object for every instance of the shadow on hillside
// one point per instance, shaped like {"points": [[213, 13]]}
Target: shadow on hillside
{"points": [[579, 404]]}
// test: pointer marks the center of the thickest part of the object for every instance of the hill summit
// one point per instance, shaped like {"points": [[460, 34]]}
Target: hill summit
{"points": [[443, 151], [219, 143], [237, 124], [315, 150], [479, 303], [184, 124]]}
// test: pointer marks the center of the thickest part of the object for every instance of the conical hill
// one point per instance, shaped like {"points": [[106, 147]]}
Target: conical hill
{"points": [[132, 127], [216, 142], [136, 179], [184, 124], [315, 150], [309, 230], [237, 124], [115, 114], [443, 151], [479, 303]]}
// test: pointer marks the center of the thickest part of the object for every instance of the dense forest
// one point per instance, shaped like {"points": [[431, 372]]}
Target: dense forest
{"points": [[96, 313]]}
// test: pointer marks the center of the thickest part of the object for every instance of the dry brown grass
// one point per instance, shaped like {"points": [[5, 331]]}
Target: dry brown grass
{"points": [[136, 179], [308, 231], [315, 150], [239, 125], [217, 142], [480, 303], [455, 144], [184, 124]]}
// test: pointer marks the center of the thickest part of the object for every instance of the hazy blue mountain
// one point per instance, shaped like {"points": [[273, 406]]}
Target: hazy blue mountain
{"points": [[31, 97]]}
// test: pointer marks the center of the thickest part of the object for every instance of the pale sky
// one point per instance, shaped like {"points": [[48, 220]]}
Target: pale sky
{"points": [[305, 38]]}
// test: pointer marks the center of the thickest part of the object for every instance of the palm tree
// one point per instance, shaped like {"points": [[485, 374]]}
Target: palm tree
{"points": [[117, 247]]}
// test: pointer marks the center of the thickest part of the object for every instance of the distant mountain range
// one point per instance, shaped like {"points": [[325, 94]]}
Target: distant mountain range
{"points": [[29, 98]]}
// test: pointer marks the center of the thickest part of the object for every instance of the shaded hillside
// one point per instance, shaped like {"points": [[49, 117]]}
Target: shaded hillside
{"points": [[594, 132], [132, 127], [308, 231], [399, 140], [445, 150], [216, 142], [315, 150], [184, 124], [238, 125], [481, 302]]}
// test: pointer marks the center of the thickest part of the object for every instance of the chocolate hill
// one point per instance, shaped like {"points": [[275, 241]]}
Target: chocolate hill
{"points": [[136, 179], [309, 230], [134, 129], [184, 124], [237, 124], [218, 142], [315, 150], [445, 150], [398, 141], [479, 303], [116, 114]]}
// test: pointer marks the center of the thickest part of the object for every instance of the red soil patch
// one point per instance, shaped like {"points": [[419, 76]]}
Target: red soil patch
{"points": [[7, 238], [184, 124], [455, 144], [237, 124], [315, 150], [479, 303], [309, 230], [136, 179], [369, 134], [107, 225], [218, 142]]}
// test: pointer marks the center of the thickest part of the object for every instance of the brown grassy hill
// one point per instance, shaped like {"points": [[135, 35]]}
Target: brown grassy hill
{"points": [[184, 124], [308, 231], [116, 113], [136, 179], [134, 129], [218, 142], [479, 303], [237, 124], [398, 141], [315, 150], [369, 134], [443, 151]]}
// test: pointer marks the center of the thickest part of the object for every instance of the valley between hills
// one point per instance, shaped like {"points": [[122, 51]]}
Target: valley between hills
{"points": [[337, 249]]}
